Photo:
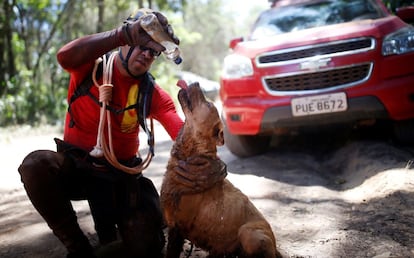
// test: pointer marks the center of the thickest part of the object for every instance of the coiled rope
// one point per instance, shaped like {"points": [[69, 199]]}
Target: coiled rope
{"points": [[101, 148]]}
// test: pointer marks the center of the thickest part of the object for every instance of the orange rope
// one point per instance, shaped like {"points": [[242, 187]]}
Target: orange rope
{"points": [[101, 148]]}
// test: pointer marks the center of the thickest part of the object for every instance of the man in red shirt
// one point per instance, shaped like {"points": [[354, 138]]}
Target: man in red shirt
{"points": [[121, 203]]}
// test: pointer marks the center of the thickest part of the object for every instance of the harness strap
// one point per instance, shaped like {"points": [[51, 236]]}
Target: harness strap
{"points": [[125, 60]]}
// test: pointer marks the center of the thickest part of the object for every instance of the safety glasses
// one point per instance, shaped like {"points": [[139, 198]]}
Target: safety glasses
{"points": [[153, 52]]}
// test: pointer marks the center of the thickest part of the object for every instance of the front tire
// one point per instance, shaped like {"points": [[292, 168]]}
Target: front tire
{"points": [[245, 146]]}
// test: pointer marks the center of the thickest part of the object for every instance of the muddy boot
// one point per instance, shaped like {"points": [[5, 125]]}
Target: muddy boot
{"points": [[142, 238], [76, 243]]}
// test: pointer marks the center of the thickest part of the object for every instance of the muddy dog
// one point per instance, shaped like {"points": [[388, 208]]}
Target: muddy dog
{"points": [[221, 219]]}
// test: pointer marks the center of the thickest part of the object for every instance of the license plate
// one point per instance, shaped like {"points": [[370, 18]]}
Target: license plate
{"points": [[319, 104]]}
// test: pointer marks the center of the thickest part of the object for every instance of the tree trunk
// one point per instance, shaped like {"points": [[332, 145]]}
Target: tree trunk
{"points": [[101, 11], [7, 61]]}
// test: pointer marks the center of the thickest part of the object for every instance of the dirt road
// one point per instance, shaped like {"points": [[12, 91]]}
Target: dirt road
{"points": [[354, 199]]}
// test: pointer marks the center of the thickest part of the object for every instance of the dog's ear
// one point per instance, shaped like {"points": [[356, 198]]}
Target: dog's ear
{"points": [[219, 137]]}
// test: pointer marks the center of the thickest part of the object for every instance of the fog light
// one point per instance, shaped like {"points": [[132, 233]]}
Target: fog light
{"points": [[235, 117]]}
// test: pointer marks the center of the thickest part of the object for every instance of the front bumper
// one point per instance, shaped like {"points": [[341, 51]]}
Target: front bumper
{"points": [[360, 108], [252, 120]]}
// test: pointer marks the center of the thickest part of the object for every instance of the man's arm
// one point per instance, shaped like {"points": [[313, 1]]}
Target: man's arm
{"points": [[163, 110], [86, 49]]}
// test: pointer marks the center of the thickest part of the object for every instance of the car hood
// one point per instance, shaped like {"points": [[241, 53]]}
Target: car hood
{"points": [[365, 28]]}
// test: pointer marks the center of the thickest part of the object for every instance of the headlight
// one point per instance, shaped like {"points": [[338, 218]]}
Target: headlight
{"points": [[399, 42], [236, 66]]}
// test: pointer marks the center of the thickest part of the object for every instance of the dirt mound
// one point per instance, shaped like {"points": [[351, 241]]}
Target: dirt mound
{"points": [[370, 170]]}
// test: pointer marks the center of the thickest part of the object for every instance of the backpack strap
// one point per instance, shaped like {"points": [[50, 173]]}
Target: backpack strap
{"points": [[82, 90], [145, 91]]}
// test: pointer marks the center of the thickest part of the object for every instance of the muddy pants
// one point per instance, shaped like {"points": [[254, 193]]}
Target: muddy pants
{"points": [[118, 201]]}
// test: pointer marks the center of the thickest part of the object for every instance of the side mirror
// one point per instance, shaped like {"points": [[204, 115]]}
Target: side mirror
{"points": [[234, 42], [406, 14]]}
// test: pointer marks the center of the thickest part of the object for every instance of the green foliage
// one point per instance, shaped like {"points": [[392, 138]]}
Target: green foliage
{"points": [[36, 91]]}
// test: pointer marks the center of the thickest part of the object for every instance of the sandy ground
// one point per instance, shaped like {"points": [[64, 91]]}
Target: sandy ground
{"points": [[354, 199]]}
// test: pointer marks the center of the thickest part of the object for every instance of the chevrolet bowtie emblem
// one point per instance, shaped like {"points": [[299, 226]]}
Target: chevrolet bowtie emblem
{"points": [[315, 64]]}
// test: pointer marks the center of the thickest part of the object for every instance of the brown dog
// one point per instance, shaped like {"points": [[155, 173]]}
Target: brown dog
{"points": [[221, 219]]}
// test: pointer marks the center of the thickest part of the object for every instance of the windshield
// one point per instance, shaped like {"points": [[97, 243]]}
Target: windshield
{"points": [[313, 14]]}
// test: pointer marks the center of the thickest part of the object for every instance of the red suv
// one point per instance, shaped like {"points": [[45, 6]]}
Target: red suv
{"points": [[320, 62]]}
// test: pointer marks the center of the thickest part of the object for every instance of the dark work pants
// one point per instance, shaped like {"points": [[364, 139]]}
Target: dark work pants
{"points": [[117, 201]]}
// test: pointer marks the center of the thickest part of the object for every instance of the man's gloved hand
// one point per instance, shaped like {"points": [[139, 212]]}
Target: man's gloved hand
{"points": [[200, 173], [134, 35]]}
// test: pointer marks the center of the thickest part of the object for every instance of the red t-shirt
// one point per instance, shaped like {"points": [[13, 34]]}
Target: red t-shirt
{"points": [[125, 126]]}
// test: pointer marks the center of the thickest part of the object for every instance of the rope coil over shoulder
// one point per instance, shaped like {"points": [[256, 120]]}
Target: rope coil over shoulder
{"points": [[102, 148]]}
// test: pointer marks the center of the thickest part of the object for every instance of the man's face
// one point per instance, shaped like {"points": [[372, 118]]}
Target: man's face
{"points": [[140, 60]]}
